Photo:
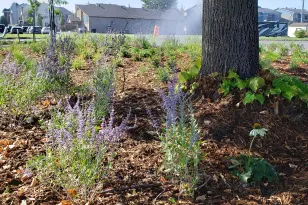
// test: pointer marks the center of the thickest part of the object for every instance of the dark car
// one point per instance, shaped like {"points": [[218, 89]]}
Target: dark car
{"points": [[25, 28], [2, 27], [9, 29], [17, 29]]}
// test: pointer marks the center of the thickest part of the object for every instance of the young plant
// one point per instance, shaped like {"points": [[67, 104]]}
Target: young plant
{"points": [[180, 139], [250, 169], [162, 74]]}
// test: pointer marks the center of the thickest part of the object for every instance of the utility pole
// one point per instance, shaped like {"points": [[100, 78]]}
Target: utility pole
{"points": [[303, 10]]}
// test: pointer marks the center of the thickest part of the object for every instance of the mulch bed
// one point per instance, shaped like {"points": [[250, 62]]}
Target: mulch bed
{"points": [[136, 177]]}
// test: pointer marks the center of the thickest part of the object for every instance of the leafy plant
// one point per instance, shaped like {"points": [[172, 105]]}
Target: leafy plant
{"points": [[180, 139], [162, 74], [187, 78], [300, 33], [250, 169]]}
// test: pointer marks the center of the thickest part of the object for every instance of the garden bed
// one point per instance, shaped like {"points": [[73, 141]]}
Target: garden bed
{"points": [[136, 176]]}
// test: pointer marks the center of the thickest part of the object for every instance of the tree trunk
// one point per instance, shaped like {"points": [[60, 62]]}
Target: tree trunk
{"points": [[230, 37]]}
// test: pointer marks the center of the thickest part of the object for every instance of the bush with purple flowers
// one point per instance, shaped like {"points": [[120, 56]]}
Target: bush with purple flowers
{"points": [[180, 140], [76, 156]]}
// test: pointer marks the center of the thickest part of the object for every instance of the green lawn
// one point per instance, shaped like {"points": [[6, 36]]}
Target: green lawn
{"points": [[25, 36], [263, 38]]}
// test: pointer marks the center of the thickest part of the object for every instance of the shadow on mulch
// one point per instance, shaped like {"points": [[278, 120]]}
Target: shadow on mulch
{"points": [[226, 128], [139, 100]]}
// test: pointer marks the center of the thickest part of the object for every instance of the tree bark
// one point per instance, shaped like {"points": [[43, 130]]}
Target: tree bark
{"points": [[230, 37]]}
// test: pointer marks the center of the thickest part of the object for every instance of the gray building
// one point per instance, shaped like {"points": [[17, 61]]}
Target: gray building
{"points": [[193, 20], [265, 15], [109, 17], [292, 15]]}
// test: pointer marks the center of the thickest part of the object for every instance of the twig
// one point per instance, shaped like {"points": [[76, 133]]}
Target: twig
{"points": [[199, 187], [154, 202], [139, 186]]}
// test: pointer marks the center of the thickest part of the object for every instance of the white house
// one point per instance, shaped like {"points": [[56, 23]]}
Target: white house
{"points": [[296, 26]]}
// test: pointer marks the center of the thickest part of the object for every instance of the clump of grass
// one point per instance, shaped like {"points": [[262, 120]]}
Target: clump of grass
{"points": [[78, 63]]}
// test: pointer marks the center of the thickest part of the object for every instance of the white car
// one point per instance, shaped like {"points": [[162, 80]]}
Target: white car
{"points": [[45, 30]]}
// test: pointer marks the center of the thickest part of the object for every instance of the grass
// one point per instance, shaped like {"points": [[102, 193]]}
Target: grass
{"points": [[284, 38], [25, 36]]}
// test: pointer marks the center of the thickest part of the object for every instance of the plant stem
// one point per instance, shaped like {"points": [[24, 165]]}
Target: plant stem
{"points": [[249, 155]]}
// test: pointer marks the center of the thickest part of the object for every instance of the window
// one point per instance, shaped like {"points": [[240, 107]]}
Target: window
{"points": [[85, 19]]}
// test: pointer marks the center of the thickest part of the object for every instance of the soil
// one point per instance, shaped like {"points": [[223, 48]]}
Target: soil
{"points": [[136, 177]]}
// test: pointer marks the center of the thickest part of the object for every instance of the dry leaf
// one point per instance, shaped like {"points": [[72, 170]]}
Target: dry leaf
{"points": [[72, 192], [5, 142], [34, 182], [162, 179], [46, 103], [65, 202]]}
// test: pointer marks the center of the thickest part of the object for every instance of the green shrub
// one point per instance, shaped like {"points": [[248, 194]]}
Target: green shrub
{"points": [[300, 33]]}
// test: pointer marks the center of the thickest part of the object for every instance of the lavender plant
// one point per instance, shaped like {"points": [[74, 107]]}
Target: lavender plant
{"points": [[56, 63], [180, 140], [76, 153], [20, 85]]}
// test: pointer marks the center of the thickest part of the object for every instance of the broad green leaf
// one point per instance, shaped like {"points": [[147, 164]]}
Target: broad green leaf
{"points": [[249, 98], [275, 91], [194, 71], [241, 84], [288, 95], [256, 83], [232, 74], [184, 77], [198, 63], [244, 177], [260, 98]]}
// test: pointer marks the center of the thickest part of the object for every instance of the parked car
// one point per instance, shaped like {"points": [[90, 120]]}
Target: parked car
{"points": [[82, 30], [28, 29], [2, 27], [25, 28], [37, 29], [16, 29], [45, 30]]}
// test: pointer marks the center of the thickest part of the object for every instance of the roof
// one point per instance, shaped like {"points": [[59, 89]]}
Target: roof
{"points": [[116, 11], [64, 11], [298, 25], [294, 10], [265, 10], [73, 19]]}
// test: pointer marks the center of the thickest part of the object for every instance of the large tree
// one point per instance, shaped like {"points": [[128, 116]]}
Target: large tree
{"points": [[230, 37], [159, 4]]}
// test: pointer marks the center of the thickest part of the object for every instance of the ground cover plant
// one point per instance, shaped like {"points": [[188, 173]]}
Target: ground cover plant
{"points": [[106, 119]]}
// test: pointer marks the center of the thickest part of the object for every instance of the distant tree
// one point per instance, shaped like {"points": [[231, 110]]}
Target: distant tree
{"points": [[34, 6], [52, 13], [3, 20], [230, 37], [40, 20], [159, 4]]}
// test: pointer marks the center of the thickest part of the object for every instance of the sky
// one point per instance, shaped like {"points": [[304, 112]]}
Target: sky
{"points": [[271, 4]]}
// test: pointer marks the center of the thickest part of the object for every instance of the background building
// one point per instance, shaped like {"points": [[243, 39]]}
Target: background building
{"points": [[105, 17]]}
